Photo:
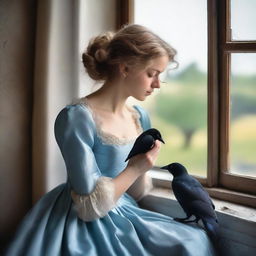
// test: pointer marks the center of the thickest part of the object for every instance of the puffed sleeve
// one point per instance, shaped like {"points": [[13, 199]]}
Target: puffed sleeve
{"points": [[143, 184], [92, 193]]}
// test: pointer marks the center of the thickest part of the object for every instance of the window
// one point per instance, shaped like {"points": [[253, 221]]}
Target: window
{"points": [[179, 109], [237, 74], [215, 86]]}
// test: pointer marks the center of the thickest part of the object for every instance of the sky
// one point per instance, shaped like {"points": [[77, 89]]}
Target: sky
{"points": [[183, 24]]}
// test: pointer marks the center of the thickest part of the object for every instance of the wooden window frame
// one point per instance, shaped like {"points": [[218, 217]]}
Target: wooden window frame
{"points": [[219, 182], [124, 12], [227, 47]]}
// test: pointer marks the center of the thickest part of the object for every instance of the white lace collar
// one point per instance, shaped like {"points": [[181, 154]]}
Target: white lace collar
{"points": [[106, 137]]}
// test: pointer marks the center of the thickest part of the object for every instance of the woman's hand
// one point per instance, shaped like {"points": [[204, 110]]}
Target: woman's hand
{"points": [[143, 162], [137, 166]]}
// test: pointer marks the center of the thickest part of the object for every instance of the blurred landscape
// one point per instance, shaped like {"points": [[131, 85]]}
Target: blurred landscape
{"points": [[179, 111]]}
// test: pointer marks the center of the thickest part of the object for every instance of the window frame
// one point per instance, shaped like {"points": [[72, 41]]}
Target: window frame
{"points": [[227, 47], [219, 182]]}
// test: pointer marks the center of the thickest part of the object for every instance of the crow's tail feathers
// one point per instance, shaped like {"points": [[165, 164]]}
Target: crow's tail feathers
{"points": [[213, 230]]}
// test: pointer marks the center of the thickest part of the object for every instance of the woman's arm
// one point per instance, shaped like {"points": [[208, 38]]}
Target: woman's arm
{"points": [[108, 191], [93, 194], [136, 167]]}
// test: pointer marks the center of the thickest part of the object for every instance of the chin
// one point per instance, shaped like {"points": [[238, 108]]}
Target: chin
{"points": [[140, 98]]}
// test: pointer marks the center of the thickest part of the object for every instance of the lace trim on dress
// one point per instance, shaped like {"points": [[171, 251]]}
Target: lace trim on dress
{"points": [[106, 137], [98, 203]]}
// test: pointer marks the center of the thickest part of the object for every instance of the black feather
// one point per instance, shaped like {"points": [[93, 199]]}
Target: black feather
{"points": [[194, 200], [145, 142]]}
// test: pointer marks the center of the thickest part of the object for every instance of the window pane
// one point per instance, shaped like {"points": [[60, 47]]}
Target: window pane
{"points": [[243, 114], [179, 109], [243, 22]]}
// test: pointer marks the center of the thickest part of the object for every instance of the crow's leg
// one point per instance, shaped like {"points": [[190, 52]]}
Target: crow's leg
{"points": [[183, 219], [195, 220]]}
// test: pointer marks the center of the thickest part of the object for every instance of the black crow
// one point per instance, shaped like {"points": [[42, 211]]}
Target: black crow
{"points": [[194, 199], [145, 142]]}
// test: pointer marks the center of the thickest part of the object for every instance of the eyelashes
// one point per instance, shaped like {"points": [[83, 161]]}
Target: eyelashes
{"points": [[158, 76], [153, 75]]}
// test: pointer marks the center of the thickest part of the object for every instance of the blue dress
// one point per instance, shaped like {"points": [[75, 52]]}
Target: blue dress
{"points": [[52, 227]]}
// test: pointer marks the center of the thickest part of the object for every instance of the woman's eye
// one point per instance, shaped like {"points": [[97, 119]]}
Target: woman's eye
{"points": [[151, 75]]}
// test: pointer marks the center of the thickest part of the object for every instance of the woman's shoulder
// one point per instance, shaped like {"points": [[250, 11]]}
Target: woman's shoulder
{"points": [[144, 117], [76, 111], [76, 107], [74, 120]]}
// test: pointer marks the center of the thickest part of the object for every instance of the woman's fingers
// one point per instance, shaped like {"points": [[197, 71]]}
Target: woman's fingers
{"points": [[143, 162], [155, 150]]}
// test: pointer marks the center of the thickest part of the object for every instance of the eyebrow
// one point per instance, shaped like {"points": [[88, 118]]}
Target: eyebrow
{"points": [[156, 70]]}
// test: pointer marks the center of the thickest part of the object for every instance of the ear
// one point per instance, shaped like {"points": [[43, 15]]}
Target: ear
{"points": [[123, 69]]}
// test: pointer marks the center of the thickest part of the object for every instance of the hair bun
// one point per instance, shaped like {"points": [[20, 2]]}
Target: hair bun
{"points": [[101, 55]]}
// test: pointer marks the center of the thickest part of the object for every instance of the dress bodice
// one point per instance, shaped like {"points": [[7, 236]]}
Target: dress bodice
{"points": [[110, 151], [89, 152]]}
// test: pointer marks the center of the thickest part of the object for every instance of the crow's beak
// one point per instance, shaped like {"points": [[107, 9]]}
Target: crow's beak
{"points": [[165, 167], [161, 140]]}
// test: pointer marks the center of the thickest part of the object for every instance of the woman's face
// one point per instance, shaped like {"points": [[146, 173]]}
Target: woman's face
{"points": [[140, 83]]}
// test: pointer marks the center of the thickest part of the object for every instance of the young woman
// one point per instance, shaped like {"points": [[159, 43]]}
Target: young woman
{"points": [[92, 214]]}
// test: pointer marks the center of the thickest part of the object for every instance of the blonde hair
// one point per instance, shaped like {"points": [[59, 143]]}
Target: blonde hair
{"points": [[134, 45]]}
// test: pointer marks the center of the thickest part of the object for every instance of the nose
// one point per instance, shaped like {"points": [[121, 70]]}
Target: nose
{"points": [[156, 83]]}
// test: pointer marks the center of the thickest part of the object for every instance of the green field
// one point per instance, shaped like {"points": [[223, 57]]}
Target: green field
{"points": [[194, 156], [242, 148]]}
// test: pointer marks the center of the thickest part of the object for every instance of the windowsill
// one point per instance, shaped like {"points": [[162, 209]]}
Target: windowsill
{"points": [[235, 210], [237, 222], [233, 199]]}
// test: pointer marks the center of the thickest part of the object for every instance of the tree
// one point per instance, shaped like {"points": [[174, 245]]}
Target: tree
{"points": [[242, 104], [243, 97], [184, 109]]}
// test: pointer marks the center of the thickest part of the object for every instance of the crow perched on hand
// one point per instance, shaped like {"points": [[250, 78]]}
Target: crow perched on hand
{"points": [[145, 142], [193, 199]]}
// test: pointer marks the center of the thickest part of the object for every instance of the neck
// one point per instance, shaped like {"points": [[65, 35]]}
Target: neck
{"points": [[183, 173], [180, 173], [110, 97]]}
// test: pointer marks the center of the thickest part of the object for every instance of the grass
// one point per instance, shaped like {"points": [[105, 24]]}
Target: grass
{"points": [[243, 147]]}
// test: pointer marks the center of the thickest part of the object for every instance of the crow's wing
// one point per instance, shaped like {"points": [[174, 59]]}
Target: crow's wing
{"points": [[198, 188], [142, 145], [202, 210], [205, 212], [188, 190]]}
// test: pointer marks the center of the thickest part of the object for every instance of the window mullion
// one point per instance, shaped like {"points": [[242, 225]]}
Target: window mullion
{"points": [[213, 100], [224, 111], [224, 79], [237, 46]]}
